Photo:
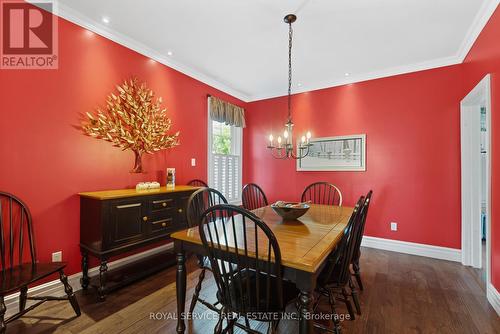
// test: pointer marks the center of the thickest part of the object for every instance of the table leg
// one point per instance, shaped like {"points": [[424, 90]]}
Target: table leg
{"points": [[181, 290], [306, 324]]}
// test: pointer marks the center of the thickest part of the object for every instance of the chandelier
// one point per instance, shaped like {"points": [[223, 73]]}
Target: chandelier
{"points": [[284, 148]]}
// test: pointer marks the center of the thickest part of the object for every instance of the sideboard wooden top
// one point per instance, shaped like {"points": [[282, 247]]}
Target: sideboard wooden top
{"points": [[123, 193]]}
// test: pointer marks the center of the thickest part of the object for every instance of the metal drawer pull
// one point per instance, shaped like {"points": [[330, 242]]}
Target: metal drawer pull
{"points": [[164, 204], [180, 210], [163, 222], [128, 206], [162, 201], [145, 218]]}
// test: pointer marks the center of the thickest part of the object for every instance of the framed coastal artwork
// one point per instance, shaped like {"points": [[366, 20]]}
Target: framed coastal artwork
{"points": [[341, 153]]}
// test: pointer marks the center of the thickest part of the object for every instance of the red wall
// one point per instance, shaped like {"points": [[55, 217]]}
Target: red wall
{"points": [[484, 58], [413, 150], [413, 146], [46, 162]]}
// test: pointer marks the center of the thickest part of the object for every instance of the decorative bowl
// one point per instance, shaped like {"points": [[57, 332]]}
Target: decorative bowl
{"points": [[290, 210]]}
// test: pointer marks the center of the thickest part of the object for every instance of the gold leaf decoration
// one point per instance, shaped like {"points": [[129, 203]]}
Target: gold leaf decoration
{"points": [[132, 120]]}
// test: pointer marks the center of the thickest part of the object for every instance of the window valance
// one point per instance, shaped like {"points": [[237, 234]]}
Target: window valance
{"points": [[225, 112]]}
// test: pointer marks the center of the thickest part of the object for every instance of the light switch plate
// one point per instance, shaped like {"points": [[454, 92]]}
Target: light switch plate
{"points": [[193, 162], [394, 226], [57, 256]]}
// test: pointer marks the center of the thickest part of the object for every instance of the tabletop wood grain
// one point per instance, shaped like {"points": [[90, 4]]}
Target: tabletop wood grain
{"points": [[304, 243]]}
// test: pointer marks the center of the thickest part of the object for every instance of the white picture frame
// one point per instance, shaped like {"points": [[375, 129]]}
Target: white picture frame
{"points": [[339, 153]]}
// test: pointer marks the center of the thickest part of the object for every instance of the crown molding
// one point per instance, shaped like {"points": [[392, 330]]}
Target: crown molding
{"points": [[480, 21], [428, 65], [67, 13]]}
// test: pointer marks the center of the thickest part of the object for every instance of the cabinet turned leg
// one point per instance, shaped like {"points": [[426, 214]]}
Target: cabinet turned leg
{"points": [[23, 295], [103, 268], [85, 271]]}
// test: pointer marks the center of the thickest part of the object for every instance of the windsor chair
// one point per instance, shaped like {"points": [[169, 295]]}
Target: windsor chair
{"points": [[20, 267]]}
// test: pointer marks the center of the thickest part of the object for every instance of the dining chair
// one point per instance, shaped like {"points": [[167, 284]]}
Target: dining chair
{"points": [[335, 279], [17, 244], [198, 202], [197, 183], [252, 287], [253, 197], [322, 193], [357, 248]]}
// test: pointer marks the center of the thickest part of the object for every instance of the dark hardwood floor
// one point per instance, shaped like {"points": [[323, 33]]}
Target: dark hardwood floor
{"points": [[403, 294]]}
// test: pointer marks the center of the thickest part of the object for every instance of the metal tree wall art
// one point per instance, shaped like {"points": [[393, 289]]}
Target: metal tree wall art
{"points": [[133, 120]]}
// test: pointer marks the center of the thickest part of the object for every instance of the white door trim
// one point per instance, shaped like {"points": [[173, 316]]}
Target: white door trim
{"points": [[470, 147]]}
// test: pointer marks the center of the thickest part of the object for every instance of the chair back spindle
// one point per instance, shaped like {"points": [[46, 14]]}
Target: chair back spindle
{"points": [[200, 201], [363, 214], [197, 183], [253, 197], [338, 267], [16, 231], [245, 259], [322, 193]]}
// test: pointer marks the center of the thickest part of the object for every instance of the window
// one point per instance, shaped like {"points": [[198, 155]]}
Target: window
{"points": [[224, 159]]}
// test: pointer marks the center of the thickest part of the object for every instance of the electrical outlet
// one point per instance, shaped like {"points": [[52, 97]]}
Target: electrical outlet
{"points": [[193, 162], [57, 256], [394, 226]]}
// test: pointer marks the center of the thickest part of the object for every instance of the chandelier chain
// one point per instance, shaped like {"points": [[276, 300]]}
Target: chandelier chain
{"points": [[290, 38]]}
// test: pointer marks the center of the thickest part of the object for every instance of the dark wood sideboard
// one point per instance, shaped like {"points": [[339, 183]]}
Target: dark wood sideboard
{"points": [[117, 221]]}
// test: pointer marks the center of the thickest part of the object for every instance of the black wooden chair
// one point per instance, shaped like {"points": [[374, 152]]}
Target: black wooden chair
{"points": [[357, 248], [322, 193], [253, 197], [197, 183], [249, 276], [335, 279], [16, 245], [199, 202]]}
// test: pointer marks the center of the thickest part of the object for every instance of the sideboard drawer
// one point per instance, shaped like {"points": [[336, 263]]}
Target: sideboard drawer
{"points": [[162, 226], [161, 204]]}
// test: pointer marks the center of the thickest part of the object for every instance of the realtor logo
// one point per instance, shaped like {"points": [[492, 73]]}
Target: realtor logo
{"points": [[29, 35]]}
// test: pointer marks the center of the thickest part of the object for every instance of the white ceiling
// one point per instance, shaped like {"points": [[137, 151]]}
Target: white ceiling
{"points": [[240, 46]]}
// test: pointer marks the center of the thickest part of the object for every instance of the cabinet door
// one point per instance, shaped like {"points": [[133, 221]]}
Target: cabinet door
{"points": [[127, 222]]}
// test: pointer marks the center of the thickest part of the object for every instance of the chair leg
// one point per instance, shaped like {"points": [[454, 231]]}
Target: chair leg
{"points": [[230, 326], [357, 274], [348, 304], [197, 291], [22, 298], [70, 293], [3, 309], [218, 326], [355, 298]]}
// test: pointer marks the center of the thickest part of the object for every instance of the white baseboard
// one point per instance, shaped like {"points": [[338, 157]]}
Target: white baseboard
{"points": [[493, 297], [55, 287], [436, 252]]}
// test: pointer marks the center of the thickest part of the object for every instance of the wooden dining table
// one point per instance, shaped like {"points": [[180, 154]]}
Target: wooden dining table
{"points": [[304, 243]]}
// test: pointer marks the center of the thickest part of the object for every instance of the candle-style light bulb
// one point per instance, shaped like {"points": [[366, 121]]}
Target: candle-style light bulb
{"points": [[285, 134], [308, 134], [303, 139], [279, 141], [271, 139]]}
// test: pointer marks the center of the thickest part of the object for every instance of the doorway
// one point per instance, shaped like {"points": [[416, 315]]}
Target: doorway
{"points": [[475, 138]]}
